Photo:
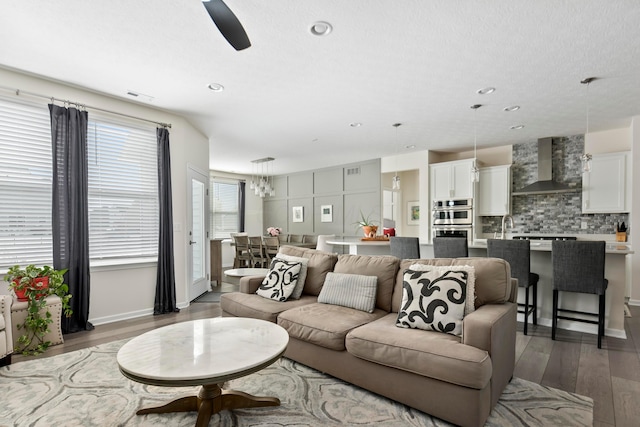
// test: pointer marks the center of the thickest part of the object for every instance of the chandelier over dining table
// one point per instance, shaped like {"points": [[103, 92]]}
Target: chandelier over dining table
{"points": [[261, 177]]}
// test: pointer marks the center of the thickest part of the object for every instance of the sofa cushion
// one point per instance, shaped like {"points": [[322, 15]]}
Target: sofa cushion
{"points": [[469, 301], [320, 263], [349, 290], [427, 353], [323, 324], [492, 284], [434, 298], [302, 277], [383, 267], [251, 305], [280, 281]]}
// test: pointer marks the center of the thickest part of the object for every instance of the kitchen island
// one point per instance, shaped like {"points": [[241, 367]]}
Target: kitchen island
{"points": [[357, 246]]}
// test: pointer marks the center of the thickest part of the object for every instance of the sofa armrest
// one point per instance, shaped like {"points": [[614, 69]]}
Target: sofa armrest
{"points": [[250, 284], [6, 347], [492, 327]]}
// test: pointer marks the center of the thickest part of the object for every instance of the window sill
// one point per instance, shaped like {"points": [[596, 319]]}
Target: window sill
{"points": [[122, 264]]}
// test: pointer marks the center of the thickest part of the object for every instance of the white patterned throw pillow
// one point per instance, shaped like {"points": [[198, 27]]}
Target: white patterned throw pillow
{"points": [[434, 298], [280, 281], [297, 291]]}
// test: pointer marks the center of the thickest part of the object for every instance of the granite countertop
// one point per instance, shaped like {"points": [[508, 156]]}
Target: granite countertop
{"points": [[545, 246]]}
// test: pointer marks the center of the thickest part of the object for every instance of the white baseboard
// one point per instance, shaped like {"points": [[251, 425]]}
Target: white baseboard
{"points": [[578, 327], [634, 302], [130, 315]]}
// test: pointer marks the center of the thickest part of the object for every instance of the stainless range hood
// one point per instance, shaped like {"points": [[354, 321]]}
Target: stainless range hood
{"points": [[545, 183]]}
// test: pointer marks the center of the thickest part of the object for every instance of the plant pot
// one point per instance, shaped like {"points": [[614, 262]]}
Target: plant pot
{"points": [[37, 283], [370, 230]]}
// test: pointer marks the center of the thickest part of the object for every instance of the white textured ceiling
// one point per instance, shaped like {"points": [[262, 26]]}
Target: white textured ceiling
{"points": [[292, 95]]}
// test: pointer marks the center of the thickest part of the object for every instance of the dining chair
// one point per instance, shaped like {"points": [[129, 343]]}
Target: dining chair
{"points": [[271, 247], [243, 252], [309, 238], [450, 247], [283, 238], [518, 254], [295, 238], [405, 247], [256, 249], [578, 266], [322, 244]]}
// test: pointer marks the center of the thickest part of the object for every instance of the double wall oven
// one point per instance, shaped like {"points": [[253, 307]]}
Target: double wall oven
{"points": [[453, 218]]}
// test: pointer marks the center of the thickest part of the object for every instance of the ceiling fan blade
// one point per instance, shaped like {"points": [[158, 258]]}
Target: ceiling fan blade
{"points": [[227, 23]]}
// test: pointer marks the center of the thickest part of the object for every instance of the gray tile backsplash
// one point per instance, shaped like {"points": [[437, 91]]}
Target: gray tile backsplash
{"points": [[552, 213]]}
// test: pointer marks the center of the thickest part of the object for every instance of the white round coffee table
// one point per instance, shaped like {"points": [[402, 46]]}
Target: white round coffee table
{"points": [[204, 352], [242, 272]]}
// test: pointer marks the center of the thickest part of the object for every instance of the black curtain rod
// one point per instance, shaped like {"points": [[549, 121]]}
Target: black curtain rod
{"points": [[19, 92]]}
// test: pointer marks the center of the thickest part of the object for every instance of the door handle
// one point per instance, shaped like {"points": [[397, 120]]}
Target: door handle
{"points": [[192, 243]]}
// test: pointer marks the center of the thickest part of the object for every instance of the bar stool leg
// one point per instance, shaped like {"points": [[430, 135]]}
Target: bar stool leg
{"points": [[554, 320], [601, 307], [535, 303], [526, 308]]}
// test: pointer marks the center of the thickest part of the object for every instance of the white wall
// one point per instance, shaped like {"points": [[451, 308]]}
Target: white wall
{"points": [[608, 141], [118, 292], [633, 264]]}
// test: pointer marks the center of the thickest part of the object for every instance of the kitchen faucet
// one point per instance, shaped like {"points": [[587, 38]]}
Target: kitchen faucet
{"points": [[504, 223]]}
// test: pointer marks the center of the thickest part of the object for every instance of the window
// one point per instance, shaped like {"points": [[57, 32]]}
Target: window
{"points": [[224, 208], [25, 184], [123, 187]]}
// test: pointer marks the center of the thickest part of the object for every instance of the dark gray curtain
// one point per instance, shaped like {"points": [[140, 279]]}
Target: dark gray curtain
{"points": [[165, 301], [70, 210], [241, 205]]}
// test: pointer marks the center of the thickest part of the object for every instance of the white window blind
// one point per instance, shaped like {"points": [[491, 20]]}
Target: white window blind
{"points": [[25, 184], [224, 208], [123, 189]]}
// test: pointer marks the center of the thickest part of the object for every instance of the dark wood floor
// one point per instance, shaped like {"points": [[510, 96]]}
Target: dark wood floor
{"points": [[611, 375]]}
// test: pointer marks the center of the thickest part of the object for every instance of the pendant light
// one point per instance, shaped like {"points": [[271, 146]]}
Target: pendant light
{"points": [[475, 171], [395, 185], [263, 185], [586, 157]]}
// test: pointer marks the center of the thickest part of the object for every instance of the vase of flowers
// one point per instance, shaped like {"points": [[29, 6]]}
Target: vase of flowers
{"points": [[274, 231]]}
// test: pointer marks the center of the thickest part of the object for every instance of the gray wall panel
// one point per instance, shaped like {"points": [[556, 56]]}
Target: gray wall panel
{"points": [[335, 226], [354, 204], [328, 181], [362, 176], [300, 184], [305, 227], [274, 211]]}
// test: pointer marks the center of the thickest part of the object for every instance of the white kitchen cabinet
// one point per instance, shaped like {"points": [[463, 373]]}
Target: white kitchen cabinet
{"points": [[494, 191], [605, 188], [451, 180]]}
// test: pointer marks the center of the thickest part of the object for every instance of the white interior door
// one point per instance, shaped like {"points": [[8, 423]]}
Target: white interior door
{"points": [[198, 190]]}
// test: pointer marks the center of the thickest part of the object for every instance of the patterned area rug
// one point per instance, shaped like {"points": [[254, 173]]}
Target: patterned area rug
{"points": [[85, 388]]}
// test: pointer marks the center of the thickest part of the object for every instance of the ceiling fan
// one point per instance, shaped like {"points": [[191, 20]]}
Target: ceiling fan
{"points": [[227, 23]]}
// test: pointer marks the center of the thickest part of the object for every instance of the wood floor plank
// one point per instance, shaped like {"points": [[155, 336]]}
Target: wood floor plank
{"points": [[594, 381], [624, 359], [562, 367], [532, 363], [626, 400], [521, 343]]}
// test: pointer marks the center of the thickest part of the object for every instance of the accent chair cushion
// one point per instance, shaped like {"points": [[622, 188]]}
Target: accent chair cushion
{"points": [[349, 290], [435, 298], [280, 281]]}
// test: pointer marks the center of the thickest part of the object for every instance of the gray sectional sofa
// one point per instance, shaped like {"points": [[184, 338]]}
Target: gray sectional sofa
{"points": [[455, 378]]}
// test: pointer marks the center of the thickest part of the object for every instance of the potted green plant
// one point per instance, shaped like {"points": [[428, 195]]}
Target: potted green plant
{"points": [[369, 227], [35, 284]]}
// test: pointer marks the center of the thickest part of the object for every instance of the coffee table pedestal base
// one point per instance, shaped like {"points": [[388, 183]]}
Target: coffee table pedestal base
{"points": [[210, 400]]}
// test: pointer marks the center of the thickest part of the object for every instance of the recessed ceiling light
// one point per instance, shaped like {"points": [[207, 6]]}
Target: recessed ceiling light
{"points": [[486, 90], [320, 28], [410, 147], [216, 87], [511, 108], [355, 124], [516, 127]]}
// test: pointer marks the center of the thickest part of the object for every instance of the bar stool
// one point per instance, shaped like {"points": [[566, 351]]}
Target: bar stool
{"points": [[518, 254], [578, 266], [450, 247], [405, 247]]}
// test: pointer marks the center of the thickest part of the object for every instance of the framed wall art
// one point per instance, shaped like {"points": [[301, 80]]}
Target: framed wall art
{"points": [[298, 213], [326, 213], [413, 212]]}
